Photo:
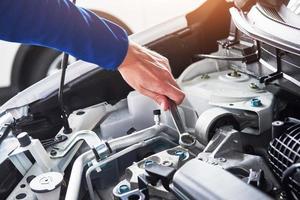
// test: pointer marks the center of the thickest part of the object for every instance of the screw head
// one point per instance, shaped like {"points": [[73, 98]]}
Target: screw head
{"points": [[222, 159], [148, 162], [53, 152], [255, 102], [181, 154], [253, 86], [205, 76], [123, 189], [234, 74]]}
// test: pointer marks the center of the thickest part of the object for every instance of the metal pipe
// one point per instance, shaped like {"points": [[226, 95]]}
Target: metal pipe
{"points": [[113, 157], [75, 178], [148, 133], [115, 144]]}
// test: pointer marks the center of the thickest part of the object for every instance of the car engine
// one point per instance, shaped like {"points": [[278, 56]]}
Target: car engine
{"points": [[235, 136]]}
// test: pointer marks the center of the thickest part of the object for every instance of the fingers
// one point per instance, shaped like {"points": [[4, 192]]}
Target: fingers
{"points": [[169, 78], [163, 73], [171, 92], [166, 89], [159, 99], [148, 72], [163, 83]]}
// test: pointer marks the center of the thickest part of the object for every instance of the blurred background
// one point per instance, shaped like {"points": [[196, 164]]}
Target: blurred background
{"points": [[22, 65]]}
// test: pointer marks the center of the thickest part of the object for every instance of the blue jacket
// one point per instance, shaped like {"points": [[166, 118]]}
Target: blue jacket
{"points": [[61, 25]]}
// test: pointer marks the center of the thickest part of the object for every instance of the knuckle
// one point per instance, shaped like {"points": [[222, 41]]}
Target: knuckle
{"points": [[181, 98], [157, 98], [166, 73]]}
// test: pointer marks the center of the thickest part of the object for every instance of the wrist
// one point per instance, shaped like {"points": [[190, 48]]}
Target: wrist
{"points": [[130, 57]]}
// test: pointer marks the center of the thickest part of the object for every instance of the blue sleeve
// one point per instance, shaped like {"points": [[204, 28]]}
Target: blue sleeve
{"points": [[61, 25]]}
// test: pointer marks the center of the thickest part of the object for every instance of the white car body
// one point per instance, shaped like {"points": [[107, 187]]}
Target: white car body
{"points": [[137, 14]]}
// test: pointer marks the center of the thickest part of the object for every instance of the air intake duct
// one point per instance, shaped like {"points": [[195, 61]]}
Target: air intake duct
{"points": [[284, 155]]}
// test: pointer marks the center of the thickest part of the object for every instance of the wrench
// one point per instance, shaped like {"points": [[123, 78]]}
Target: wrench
{"points": [[176, 117]]}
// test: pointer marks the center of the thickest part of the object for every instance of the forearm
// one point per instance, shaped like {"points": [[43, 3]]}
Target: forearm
{"points": [[61, 25]]}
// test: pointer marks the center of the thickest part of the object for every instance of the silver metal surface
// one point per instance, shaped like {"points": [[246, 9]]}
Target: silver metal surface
{"points": [[132, 193], [176, 117], [205, 122], [88, 136], [86, 121], [174, 157], [39, 154], [115, 144], [21, 162], [125, 141], [111, 158], [76, 174]]}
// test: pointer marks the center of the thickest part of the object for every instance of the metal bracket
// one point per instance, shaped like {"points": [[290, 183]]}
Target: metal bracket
{"points": [[38, 152], [276, 75], [61, 149], [53, 141]]}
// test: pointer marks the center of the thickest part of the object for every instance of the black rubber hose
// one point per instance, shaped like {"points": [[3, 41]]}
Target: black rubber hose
{"points": [[5, 134], [64, 113]]}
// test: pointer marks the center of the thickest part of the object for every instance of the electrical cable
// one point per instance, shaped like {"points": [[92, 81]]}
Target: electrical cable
{"points": [[64, 113]]}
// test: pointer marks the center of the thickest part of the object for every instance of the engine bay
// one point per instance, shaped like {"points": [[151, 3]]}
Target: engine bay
{"points": [[238, 136]]}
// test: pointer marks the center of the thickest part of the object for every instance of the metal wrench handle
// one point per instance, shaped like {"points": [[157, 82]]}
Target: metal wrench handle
{"points": [[176, 117]]}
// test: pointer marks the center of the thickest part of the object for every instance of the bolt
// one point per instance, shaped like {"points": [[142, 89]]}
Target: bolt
{"points": [[167, 163], [80, 113], [59, 137], [253, 86], [234, 74], [255, 102], [222, 159], [213, 162], [123, 189], [53, 152], [180, 154], [205, 76], [148, 162], [204, 159]]}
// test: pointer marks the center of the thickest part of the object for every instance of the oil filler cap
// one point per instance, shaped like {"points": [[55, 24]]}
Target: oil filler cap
{"points": [[47, 185]]}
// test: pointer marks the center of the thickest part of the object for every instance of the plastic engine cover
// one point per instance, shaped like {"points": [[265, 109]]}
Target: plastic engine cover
{"points": [[211, 182]]}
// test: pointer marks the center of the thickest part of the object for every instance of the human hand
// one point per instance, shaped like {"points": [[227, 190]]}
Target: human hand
{"points": [[149, 73]]}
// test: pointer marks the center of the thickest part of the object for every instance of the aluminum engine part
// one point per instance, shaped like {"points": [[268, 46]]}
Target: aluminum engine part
{"points": [[212, 119], [174, 157], [226, 151], [199, 180], [240, 165], [87, 120], [230, 90]]}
